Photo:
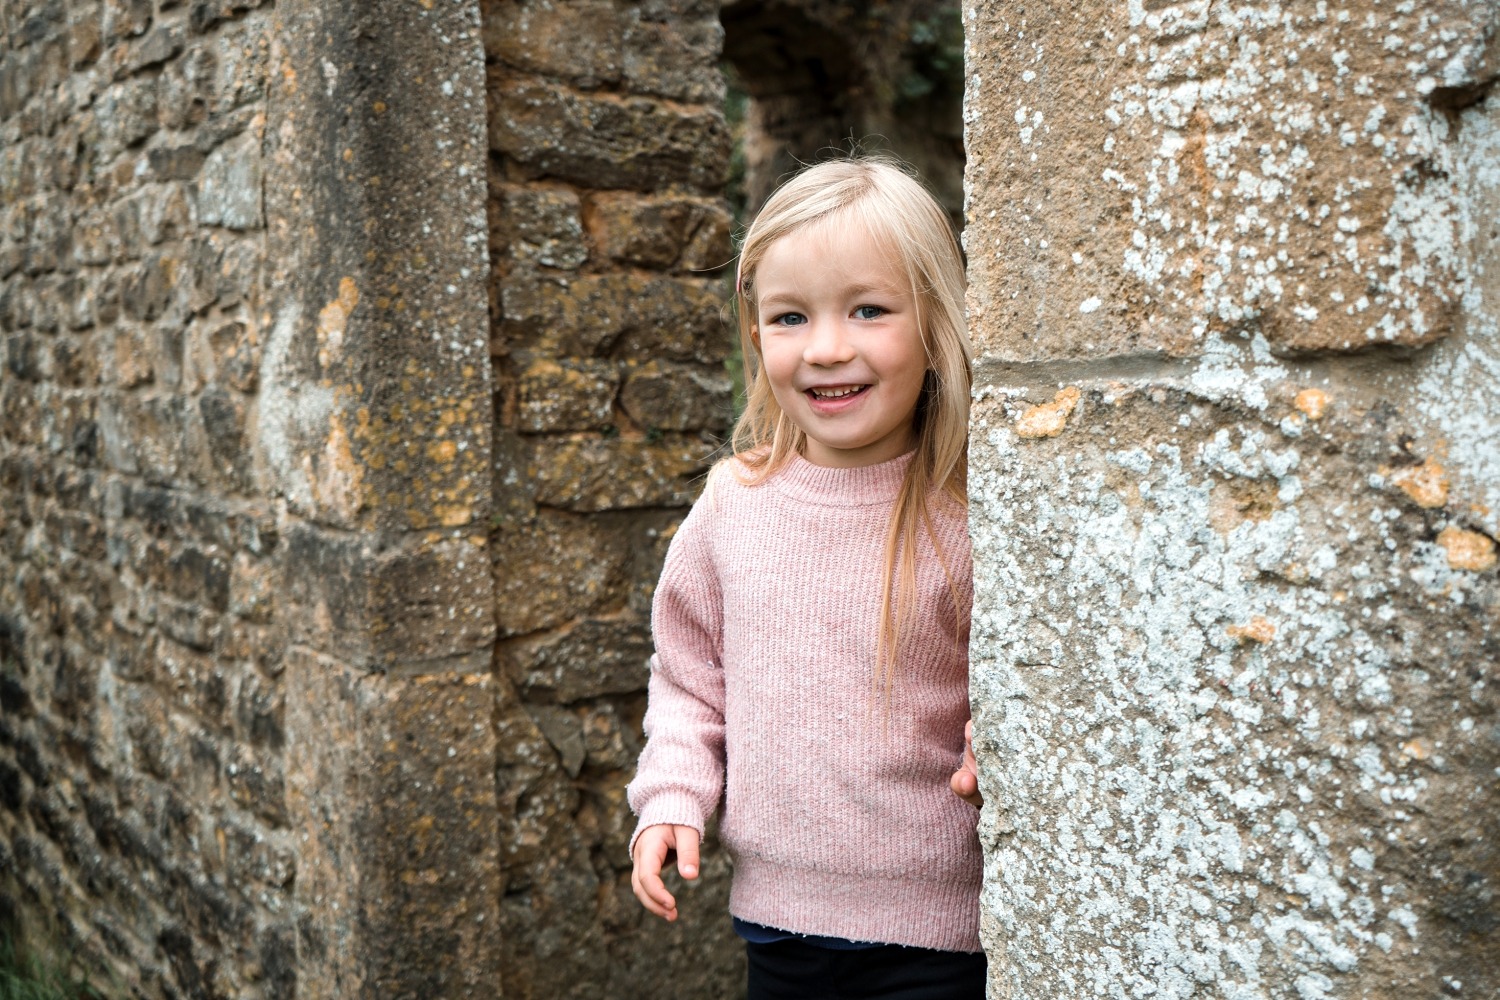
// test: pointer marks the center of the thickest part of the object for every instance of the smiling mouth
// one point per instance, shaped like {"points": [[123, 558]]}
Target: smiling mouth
{"points": [[836, 392]]}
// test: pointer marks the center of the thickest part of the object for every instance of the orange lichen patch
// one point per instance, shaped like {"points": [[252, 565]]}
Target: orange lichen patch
{"points": [[1417, 749], [1427, 483], [1048, 419], [1257, 629], [378, 107], [1467, 549], [442, 451], [452, 515], [338, 478], [1312, 403], [332, 320]]}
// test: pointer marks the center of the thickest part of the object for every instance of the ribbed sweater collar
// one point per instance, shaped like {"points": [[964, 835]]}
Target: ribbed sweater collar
{"points": [[864, 486]]}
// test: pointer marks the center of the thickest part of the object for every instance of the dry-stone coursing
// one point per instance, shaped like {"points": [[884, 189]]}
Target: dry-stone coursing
{"points": [[246, 747], [608, 236], [1235, 484], [143, 731]]}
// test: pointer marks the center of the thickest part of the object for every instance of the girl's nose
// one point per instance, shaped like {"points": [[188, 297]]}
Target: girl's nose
{"points": [[827, 344]]}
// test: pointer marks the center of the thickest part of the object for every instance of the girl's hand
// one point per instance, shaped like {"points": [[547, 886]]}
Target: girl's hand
{"points": [[965, 781], [654, 849]]}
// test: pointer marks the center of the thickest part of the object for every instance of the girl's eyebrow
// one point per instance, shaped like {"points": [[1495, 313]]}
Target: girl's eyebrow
{"points": [[792, 298]]}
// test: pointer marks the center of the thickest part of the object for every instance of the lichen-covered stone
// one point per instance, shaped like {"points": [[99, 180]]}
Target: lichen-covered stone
{"points": [[596, 315], [1228, 607], [592, 473], [539, 225], [607, 140], [661, 231], [566, 395], [663, 396], [1190, 170]]}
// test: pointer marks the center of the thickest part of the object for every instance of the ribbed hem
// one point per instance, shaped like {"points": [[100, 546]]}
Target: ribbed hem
{"points": [[940, 915], [862, 486]]}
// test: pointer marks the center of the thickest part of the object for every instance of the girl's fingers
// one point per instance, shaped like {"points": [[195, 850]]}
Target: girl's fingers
{"points": [[651, 852], [654, 897]]}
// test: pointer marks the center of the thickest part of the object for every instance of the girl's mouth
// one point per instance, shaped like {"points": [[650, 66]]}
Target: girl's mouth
{"points": [[830, 393]]}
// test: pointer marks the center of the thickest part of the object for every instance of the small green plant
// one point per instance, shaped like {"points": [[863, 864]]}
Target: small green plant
{"points": [[26, 974]]}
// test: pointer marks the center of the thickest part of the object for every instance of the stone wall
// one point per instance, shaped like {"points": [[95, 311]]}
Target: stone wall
{"points": [[142, 736], [245, 747], [1236, 483], [608, 237]]}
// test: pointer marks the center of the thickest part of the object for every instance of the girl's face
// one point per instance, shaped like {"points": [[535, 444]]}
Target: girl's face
{"points": [[837, 330]]}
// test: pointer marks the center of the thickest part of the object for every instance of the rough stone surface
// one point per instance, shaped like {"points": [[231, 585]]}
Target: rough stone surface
{"points": [[607, 242], [1192, 169], [246, 630], [1235, 628]]}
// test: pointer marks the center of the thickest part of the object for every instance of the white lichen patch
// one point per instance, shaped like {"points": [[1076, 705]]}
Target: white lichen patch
{"points": [[1185, 722], [1226, 141]]}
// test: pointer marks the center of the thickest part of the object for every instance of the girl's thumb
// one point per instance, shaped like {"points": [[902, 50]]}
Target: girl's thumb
{"points": [[687, 852]]}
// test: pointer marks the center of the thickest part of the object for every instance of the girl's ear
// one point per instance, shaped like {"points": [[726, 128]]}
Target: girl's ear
{"points": [[755, 335]]}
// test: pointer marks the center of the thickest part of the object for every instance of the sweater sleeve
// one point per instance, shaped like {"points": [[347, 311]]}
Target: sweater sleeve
{"points": [[680, 775]]}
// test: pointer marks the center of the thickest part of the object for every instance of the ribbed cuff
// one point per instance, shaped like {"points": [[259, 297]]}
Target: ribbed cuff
{"points": [[922, 914], [676, 808]]}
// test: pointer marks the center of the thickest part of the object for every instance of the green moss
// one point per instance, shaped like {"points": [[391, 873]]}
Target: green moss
{"points": [[30, 974]]}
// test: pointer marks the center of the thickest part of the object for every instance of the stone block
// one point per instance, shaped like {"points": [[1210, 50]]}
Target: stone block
{"points": [[125, 19], [599, 315], [1187, 175], [420, 865], [589, 473], [148, 288], [174, 163], [85, 32], [1181, 575], [409, 605], [187, 624], [164, 213], [667, 396], [557, 566], [539, 225], [222, 415], [229, 185], [661, 231], [139, 434], [240, 271], [587, 660], [605, 140], [256, 782], [157, 46], [566, 395], [123, 115], [577, 41], [185, 90], [669, 54]]}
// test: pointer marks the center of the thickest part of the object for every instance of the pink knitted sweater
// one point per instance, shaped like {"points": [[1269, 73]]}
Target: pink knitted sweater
{"points": [[837, 812]]}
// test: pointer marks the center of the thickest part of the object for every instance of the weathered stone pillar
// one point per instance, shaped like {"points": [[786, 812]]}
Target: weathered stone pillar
{"points": [[1236, 488], [374, 423]]}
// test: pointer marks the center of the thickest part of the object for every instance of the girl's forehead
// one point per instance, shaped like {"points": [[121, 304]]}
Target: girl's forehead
{"points": [[841, 242]]}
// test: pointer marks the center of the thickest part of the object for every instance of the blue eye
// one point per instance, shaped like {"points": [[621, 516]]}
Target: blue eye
{"points": [[869, 312], [790, 319]]}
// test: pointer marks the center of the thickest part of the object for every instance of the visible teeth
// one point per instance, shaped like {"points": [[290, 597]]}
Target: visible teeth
{"points": [[836, 393]]}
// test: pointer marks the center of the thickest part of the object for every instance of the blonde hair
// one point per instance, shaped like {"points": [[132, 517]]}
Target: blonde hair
{"points": [[908, 224]]}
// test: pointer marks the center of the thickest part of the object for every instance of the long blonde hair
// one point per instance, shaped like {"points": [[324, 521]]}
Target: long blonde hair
{"points": [[907, 222]]}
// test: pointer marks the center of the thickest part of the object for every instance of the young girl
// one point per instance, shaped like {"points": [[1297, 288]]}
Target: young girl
{"points": [[811, 623]]}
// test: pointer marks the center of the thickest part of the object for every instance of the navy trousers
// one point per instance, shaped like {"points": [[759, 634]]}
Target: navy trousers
{"points": [[794, 970]]}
